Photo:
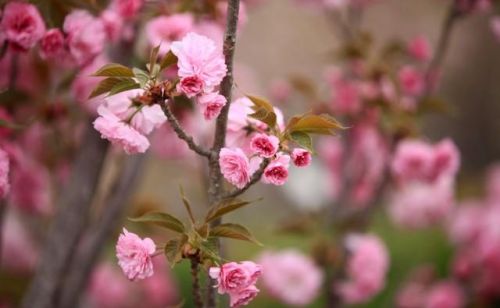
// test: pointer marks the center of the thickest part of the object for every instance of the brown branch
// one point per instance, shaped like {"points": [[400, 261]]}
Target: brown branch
{"points": [[254, 179], [216, 184], [442, 47], [93, 244], [69, 222], [181, 133], [195, 270]]}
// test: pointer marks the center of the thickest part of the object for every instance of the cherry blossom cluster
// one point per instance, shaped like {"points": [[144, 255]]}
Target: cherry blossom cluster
{"points": [[424, 176]]}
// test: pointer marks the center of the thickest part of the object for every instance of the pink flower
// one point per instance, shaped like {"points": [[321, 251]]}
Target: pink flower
{"points": [[419, 205], [148, 118], [420, 48], [411, 80], [134, 255], [191, 86], [113, 24], [163, 30], [108, 288], [238, 280], [4, 174], [264, 145], [233, 277], [212, 104], [301, 157], [19, 251], [446, 161], [243, 297], [366, 268], [84, 83], [22, 25], [86, 36], [291, 276], [127, 8], [52, 44], [199, 58], [446, 294], [119, 133], [159, 290], [276, 172], [234, 166]]}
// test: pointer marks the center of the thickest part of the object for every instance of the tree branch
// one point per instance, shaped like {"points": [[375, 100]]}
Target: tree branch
{"points": [[254, 179], [198, 303], [181, 133], [69, 222], [88, 253]]}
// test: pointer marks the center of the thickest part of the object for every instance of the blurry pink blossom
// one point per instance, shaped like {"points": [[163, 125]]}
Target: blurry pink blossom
{"points": [[301, 157], [22, 25], [86, 36], [212, 104], [366, 268], [134, 255], [446, 294], [160, 290], [234, 166], [164, 30], [264, 145], [199, 58], [113, 24], [280, 90], [291, 276], [4, 174], [127, 8], [420, 48], [276, 172], [465, 222], [19, 253], [411, 80], [52, 44], [108, 288]]}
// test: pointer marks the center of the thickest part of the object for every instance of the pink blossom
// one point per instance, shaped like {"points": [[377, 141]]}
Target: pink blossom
{"points": [[127, 8], [243, 297], [411, 80], [346, 97], [113, 24], [119, 133], [291, 276], [465, 222], [163, 30], [366, 268], [86, 36], [420, 48], [446, 160], [234, 166], [446, 294], [212, 104], [331, 152], [280, 90], [134, 255], [199, 58], [148, 118], [276, 172], [22, 25], [52, 44], [191, 86], [160, 290], [301, 157], [108, 288], [19, 253], [412, 295], [4, 174], [233, 277], [419, 205], [84, 83], [264, 145], [166, 145]]}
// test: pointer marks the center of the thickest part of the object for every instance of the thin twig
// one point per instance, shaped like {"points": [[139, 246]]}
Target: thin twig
{"points": [[198, 303], [254, 179], [181, 133]]}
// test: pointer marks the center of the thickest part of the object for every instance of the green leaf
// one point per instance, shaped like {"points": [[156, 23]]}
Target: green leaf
{"points": [[153, 57], [225, 207], [264, 111], [142, 76], [105, 86], [168, 60], [187, 205], [163, 220], [114, 70], [302, 139], [173, 250], [209, 248], [234, 231], [316, 124], [125, 85]]}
